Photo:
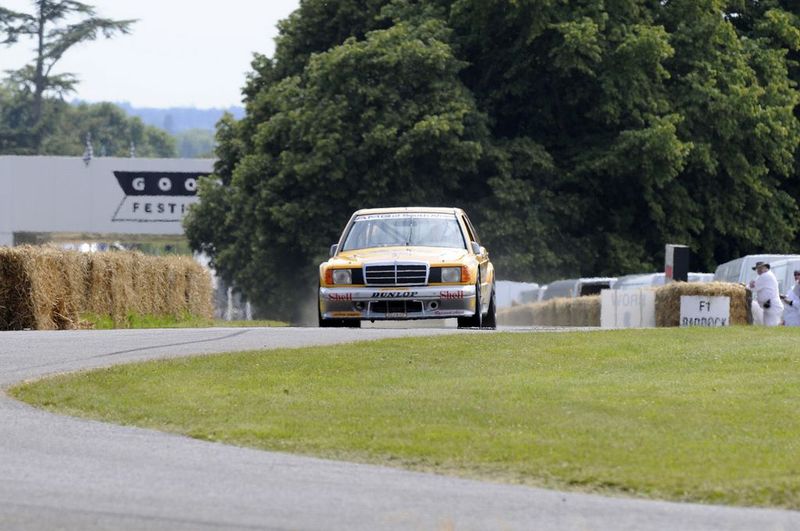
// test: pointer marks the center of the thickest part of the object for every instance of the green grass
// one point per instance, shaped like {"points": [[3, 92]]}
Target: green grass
{"points": [[105, 322], [684, 414]]}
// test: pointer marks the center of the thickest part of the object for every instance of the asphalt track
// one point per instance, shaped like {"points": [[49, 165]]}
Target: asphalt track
{"points": [[63, 473]]}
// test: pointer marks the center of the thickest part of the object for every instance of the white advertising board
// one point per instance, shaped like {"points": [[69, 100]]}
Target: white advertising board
{"points": [[705, 311], [628, 308], [107, 195]]}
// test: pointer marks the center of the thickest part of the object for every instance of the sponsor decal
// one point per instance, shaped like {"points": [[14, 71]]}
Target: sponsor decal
{"points": [[152, 196], [340, 296], [345, 314], [400, 215], [393, 294], [451, 295]]}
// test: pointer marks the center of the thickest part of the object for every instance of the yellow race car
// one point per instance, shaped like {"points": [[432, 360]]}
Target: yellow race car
{"points": [[407, 263]]}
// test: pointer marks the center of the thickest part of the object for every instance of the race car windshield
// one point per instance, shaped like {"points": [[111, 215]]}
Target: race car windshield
{"points": [[397, 230]]}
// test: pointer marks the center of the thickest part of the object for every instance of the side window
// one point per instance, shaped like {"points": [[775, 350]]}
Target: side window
{"points": [[780, 275], [470, 230]]}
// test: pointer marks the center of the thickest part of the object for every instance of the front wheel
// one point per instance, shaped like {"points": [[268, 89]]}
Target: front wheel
{"points": [[490, 321], [473, 321]]}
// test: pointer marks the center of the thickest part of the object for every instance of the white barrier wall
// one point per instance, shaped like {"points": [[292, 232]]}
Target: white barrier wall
{"points": [[108, 195], [628, 308]]}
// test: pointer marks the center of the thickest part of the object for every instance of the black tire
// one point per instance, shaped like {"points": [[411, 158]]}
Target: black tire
{"points": [[474, 321], [490, 321]]}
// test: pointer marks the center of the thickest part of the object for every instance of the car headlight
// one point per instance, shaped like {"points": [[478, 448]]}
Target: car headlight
{"points": [[342, 276], [451, 274]]}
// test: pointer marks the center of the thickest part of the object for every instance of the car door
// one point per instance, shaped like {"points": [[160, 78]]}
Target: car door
{"points": [[484, 266]]}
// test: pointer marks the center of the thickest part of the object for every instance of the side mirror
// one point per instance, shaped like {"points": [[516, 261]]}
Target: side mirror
{"points": [[334, 248], [476, 248]]}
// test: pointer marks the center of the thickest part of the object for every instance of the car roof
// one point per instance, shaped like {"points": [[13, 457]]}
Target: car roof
{"points": [[401, 210]]}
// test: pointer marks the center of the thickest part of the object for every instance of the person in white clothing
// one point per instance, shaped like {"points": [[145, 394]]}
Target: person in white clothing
{"points": [[765, 288], [791, 311]]}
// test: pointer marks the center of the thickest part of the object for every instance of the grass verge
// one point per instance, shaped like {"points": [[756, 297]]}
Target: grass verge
{"points": [[106, 322], [681, 414]]}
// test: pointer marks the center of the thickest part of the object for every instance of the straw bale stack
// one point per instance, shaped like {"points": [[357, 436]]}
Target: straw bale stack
{"points": [[580, 311], [668, 300], [111, 284], [40, 288], [519, 315], [549, 315], [542, 314], [562, 312], [46, 288], [586, 311]]}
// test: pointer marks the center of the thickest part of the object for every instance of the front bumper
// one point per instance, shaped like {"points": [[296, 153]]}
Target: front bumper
{"points": [[400, 303]]}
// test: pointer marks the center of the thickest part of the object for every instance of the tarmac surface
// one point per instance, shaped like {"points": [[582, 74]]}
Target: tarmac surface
{"points": [[59, 472]]}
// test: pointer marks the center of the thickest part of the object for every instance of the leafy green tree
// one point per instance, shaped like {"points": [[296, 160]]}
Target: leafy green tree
{"points": [[113, 133], [618, 95], [54, 29], [581, 136], [195, 143], [381, 121], [775, 26], [14, 115], [737, 103]]}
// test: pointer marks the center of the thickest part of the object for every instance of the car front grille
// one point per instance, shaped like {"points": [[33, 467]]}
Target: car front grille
{"points": [[403, 307], [399, 274]]}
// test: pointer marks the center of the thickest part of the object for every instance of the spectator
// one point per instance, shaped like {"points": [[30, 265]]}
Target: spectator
{"points": [[765, 288], [791, 313]]}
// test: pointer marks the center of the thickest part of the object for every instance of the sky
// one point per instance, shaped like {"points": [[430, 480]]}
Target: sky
{"points": [[180, 53]]}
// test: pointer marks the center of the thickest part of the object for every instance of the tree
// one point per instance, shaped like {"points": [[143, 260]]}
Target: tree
{"points": [[662, 122], [55, 32], [381, 121], [581, 136], [14, 115], [113, 133], [112, 130], [194, 143]]}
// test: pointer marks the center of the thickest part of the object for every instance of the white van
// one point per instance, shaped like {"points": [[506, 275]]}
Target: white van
{"points": [[649, 280], [577, 287], [784, 272], [508, 293], [740, 271]]}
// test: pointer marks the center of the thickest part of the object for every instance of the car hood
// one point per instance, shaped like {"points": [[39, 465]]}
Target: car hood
{"points": [[432, 255]]}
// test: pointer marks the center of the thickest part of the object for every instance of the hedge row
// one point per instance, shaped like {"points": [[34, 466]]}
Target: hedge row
{"points": [[46, 288], [585, 311]]}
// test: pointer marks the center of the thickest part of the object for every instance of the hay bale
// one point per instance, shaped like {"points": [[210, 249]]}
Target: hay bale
{"points": [[537, 313], [586, 311], [519, 315], [199, 295], [16, 305], [111, 286], [580, 311], [550, 313], [40, 288], [562, 312], [47, 288], [668, 300]]}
